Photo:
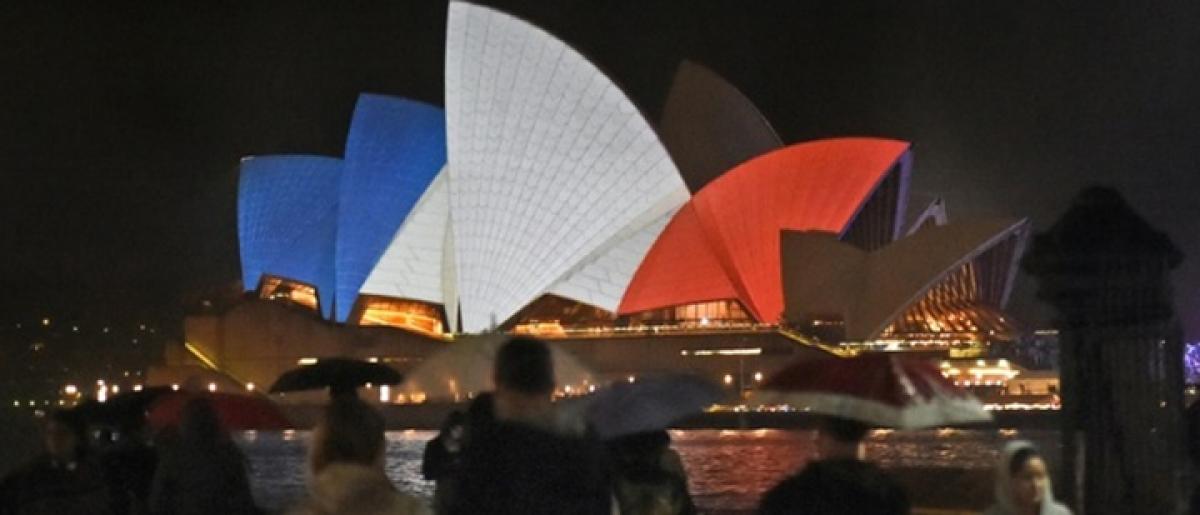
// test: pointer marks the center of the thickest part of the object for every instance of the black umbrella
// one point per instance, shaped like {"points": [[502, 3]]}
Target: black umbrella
{"points": [[340, 375], [119, 409]]}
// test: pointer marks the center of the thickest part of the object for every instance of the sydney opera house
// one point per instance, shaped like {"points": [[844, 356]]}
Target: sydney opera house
{"points": [[542, 200]]}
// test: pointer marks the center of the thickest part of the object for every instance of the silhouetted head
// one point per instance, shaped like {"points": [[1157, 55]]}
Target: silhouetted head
{"points": [[482, 409], [199, 424], [837, 487], [843, 429], [839, 437], [65, 438], [524, 377], [649, 443], [132, 426], [351, 432], [638, 452], [523, 365]]}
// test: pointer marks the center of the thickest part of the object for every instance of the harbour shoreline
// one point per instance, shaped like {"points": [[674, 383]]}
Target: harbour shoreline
{"points": [[431, 416]]}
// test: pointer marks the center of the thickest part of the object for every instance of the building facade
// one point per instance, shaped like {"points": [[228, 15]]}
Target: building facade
{"points": [[541, 200]]}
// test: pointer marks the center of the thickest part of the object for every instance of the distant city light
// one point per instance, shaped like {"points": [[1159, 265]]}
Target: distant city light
{"points": [[116, 389], [102, 394], [373, 359], [728, 378], [70, 389], [250, 387], [137, 387], [175, 387], [45, 321], [306, 361], [385, 393], [16, 404], [758, 376], [631, 379], [1191, 363], [212, 387]]}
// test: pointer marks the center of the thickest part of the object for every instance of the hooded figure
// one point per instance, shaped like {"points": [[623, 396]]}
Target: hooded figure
{"points": [[203, 471], [1023, 483]]}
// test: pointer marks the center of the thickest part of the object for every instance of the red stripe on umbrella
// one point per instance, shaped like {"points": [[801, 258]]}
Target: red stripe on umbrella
{"points": [[880, 389], [236, 412]]}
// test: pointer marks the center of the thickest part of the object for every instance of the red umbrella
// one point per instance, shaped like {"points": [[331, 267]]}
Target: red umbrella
{"points": [[880, 389], [237, 412]]}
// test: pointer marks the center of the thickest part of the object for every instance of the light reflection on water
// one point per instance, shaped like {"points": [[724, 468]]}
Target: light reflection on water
{"points": [[728, 469]]}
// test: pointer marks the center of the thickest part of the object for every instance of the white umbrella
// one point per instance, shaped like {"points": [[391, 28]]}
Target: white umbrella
{"points": [[464, 368]]}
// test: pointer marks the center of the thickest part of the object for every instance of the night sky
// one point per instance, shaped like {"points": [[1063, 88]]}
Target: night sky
{"points": [[121, 124]]}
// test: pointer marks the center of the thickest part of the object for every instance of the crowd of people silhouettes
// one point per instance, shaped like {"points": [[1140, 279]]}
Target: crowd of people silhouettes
{"points": [[510, 452]]}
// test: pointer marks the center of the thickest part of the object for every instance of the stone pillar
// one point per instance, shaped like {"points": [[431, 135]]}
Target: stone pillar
{"points": [[1106, 273]]}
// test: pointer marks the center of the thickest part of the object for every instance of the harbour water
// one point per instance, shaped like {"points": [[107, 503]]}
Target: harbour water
{"points": [[728, 469]]}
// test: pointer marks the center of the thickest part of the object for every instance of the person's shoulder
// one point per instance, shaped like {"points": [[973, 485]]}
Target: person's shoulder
{"points": [[31, 469], [781, 497], [790, 485], [838, 481], [1057, 508], [850, 469], [405, 504]]}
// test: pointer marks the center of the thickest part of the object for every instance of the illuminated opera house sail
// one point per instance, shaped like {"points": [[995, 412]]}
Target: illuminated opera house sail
{"points": [[541, 200]]}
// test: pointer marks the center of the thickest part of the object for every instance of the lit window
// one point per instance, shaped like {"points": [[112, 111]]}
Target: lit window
{"points": [[413, 315], [275, 288]]}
